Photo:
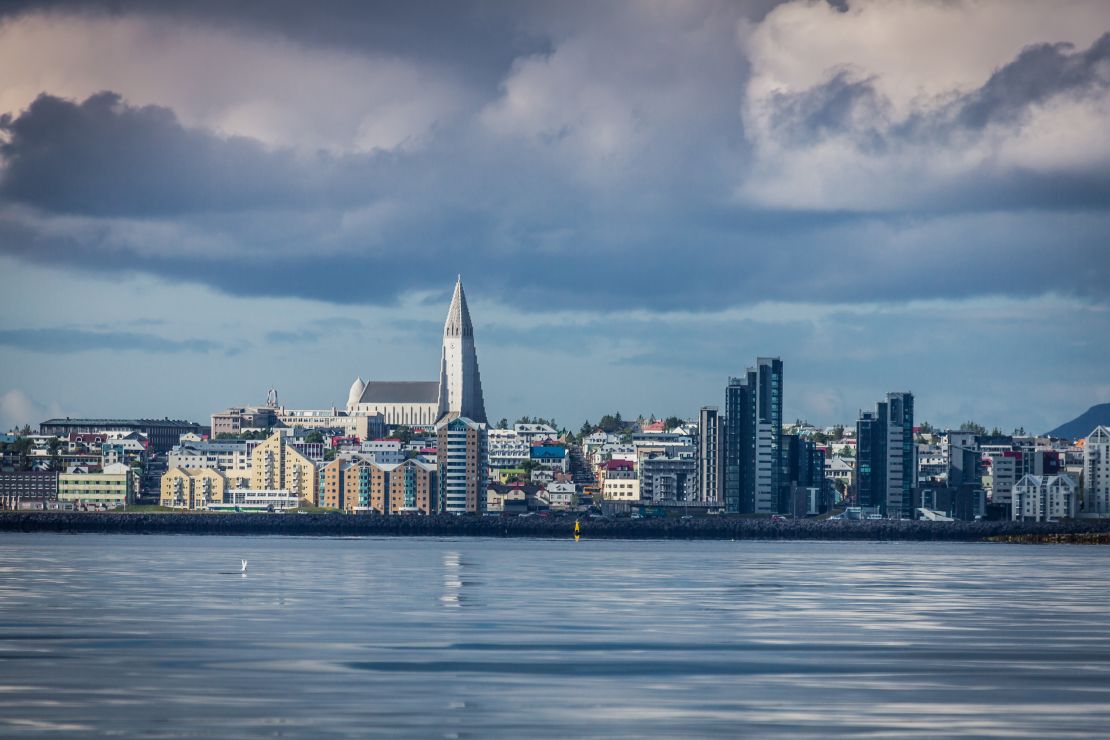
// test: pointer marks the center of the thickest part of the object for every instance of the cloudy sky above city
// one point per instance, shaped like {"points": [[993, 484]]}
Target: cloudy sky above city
{"points": [[201, 200]]}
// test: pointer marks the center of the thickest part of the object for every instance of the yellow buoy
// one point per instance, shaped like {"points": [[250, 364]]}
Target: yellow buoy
{"points": [[577, 531]]}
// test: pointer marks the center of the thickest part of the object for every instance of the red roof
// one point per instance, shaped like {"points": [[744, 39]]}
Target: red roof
{"points": [[618, 465]]}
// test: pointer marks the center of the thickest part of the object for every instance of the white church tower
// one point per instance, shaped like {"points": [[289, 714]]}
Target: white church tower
{"points": [[460, 386]]}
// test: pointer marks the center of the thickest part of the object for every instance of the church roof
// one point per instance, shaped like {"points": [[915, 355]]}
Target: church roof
{"points": [[458, 315], [401, 391]]}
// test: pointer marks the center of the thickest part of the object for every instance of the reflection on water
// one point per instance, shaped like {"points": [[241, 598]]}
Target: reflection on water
{"points": [[467, 637], [452, 579]]}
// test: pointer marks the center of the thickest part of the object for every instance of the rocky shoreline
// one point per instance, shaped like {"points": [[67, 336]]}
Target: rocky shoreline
{"points": [[709, 528]]}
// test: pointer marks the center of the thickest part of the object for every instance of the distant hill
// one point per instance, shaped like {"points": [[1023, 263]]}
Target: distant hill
{"points": [[1085, 423]]}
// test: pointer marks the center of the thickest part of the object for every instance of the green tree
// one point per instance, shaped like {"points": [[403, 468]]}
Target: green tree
{"points": [[611, 423], [503, 424], [314, 437], [672, 421], [586, 429], [847, 451], [838, 431], [973, 427]]}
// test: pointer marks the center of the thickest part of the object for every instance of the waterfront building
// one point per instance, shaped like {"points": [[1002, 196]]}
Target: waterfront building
{"points": [[841, 469], [561, 495], [550, 457], [870, 458], [754, 463], [965, 503], [382, 451], [28, 489], [507, 449], [113, 487], [251, 499], [412, 488], [807, 491], [534, 433], [739, 447], [462, 460], [1044, 498], [1008, 466], [901, 465], [194, 489], [276, 465], [361, 424], [886, 467], [1096, 472], [238, 419], [330, 487], [619, 481], [710, 483], [226, 456], [162, 433], [668, 478], [965, 461]]}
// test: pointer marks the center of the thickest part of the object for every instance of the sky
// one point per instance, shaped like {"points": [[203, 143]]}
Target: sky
{"points": [[203, 200]]}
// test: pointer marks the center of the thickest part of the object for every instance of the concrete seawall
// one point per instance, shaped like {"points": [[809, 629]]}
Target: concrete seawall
{"points": [[712, 528]]}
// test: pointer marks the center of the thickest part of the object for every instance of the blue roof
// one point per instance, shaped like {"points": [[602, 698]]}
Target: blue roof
{"points": [[549, 451]]}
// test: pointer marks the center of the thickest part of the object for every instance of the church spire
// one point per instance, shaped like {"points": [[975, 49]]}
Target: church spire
{"points": [[458, 315], [460, 385]]}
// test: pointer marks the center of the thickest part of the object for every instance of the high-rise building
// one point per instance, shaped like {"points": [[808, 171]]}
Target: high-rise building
{"points": [[462, 459], [754, 463], [1096, 472], [901, 469], [768, 434], [871, 457], [710, 465], [739, 447], [460, 384], [886, 465]]}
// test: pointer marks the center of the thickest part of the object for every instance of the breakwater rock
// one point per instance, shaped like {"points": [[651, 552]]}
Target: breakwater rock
{"points": [[714, 528]]}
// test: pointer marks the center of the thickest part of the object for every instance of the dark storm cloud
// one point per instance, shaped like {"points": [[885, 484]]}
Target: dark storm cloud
{"points": [[104, 157], [67, 340], [89, 184], [1039, 73], [830, 108]]}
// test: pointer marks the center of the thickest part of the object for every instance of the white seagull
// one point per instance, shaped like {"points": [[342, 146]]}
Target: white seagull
{"points": [[244, 570]]}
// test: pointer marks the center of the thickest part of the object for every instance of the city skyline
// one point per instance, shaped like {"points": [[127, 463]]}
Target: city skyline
{"points": [[252, 200]]}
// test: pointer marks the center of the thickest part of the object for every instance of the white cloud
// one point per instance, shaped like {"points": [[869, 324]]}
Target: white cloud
{"points": [[262, 86], [632, 89], [18, 409], [912, 61]]}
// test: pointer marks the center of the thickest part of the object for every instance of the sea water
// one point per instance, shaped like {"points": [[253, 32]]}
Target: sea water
{"points": [[164, 636]]}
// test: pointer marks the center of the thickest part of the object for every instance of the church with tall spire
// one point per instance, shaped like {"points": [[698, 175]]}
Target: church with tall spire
{"points": [[456, 393], [460, 383]]}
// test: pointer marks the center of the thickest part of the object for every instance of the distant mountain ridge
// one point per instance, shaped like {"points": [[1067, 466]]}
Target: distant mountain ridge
{"points": [[1085, 423]]}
